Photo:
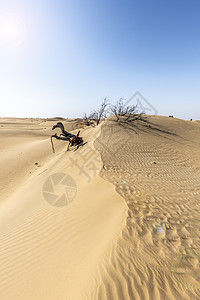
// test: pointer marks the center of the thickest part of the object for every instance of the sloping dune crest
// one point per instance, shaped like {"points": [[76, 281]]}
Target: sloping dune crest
{"points": [[131, 230], [155, 166], [49, 251]]}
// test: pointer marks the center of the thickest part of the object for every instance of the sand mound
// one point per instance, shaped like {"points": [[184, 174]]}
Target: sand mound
{"points": [[155, 166]]}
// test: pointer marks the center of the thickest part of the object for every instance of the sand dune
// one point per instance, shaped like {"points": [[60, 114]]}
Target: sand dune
{"points": [[156, 169], [127, 229]]}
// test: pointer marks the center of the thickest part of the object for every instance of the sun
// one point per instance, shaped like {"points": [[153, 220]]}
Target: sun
{"points": [[12, 30]]}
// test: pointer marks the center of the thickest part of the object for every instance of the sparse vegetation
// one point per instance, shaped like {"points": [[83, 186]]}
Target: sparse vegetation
{"points": [[100, 113], [123, 114], [121, 111], [87, 121]]}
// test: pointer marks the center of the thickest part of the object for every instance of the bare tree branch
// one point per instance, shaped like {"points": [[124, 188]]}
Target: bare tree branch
{"points": [[101, 113], [120, 110]]}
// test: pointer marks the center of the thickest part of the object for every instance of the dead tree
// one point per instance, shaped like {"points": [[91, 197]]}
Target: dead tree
{"points": [[101, 113], [123, 112], [74, 140], [87, 120]]}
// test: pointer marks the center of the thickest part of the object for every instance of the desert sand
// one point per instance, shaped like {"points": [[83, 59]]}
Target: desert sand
{"points": [[119, 218]]}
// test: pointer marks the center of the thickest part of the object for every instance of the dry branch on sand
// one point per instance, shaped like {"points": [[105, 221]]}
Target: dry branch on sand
{"points": [[74, 140], [120, 111]]}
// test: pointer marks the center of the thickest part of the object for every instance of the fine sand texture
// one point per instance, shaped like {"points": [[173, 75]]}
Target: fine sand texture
{"points": [[154, 164], [118, 218]]}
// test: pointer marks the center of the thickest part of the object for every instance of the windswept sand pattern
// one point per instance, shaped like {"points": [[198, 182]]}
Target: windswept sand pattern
{"points": [[49, 252], [138, 242], [156, 169]]}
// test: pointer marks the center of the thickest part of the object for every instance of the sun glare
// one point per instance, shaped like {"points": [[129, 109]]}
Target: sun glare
{"points": [[12, 30]]}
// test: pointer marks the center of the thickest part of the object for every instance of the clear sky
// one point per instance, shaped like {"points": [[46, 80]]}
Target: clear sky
{"points": [[61, 57]]}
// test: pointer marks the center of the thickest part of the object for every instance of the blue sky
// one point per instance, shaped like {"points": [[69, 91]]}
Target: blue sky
{"points": [[69, 55]]}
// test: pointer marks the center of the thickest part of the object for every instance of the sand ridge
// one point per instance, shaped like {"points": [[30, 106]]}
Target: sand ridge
{"points": [[156, 169]]}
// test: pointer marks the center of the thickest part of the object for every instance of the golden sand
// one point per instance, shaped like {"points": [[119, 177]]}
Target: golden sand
{"points": [[128, 229]]}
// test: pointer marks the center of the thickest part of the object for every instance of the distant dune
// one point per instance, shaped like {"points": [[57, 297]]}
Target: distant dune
{"points": [[56, 119], [116, 219]]}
